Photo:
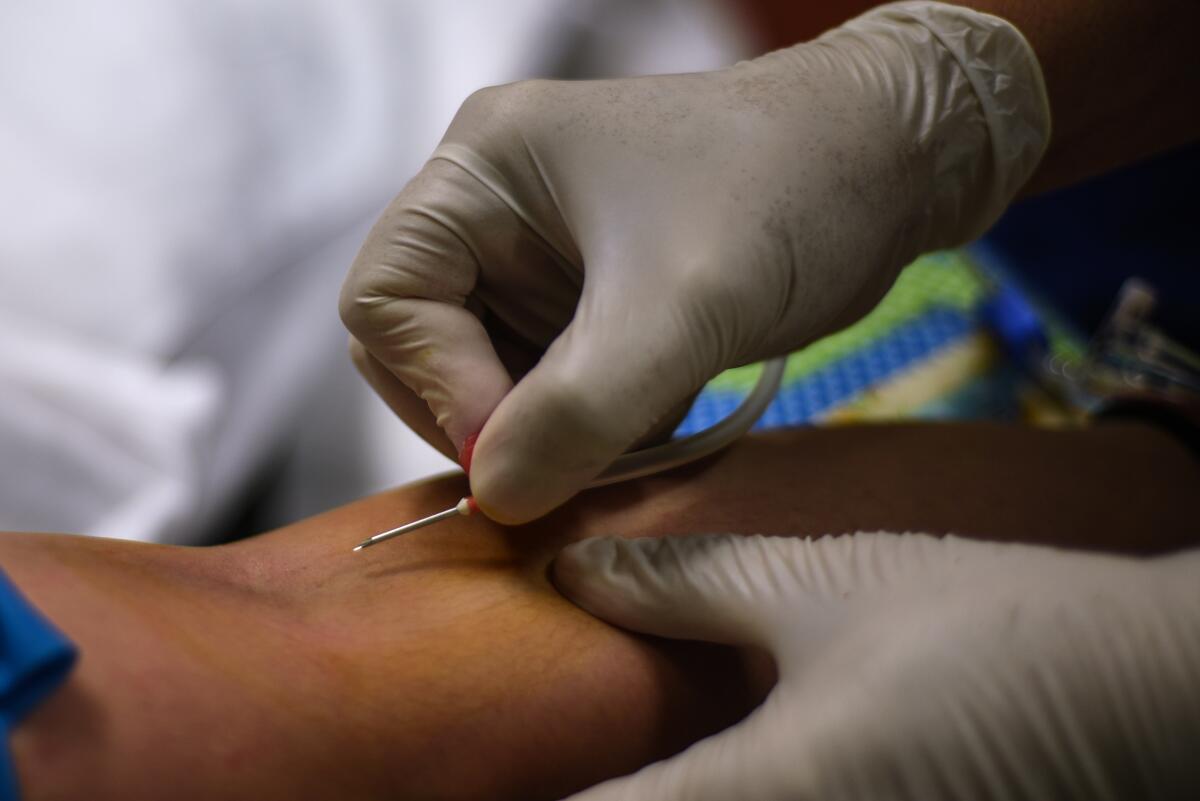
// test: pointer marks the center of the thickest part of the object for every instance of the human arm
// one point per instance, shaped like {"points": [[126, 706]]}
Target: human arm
{"points": [[290, 667], [444, 665]]}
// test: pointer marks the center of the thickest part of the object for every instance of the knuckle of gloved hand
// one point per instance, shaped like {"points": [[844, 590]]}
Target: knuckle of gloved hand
{"points": [[489, 112], [407, 256], [354, 312], [361, 307]]}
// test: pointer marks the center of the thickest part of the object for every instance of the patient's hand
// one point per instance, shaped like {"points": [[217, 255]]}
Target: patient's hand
{"points": [[444, 665]]}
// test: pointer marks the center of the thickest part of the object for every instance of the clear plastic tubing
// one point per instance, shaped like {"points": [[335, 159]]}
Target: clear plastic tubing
{"points": [[688, 449]]}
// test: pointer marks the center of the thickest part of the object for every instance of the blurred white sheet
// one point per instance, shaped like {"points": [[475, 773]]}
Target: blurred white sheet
{"points": [[178, 152], [183, 186], [101, 425]]}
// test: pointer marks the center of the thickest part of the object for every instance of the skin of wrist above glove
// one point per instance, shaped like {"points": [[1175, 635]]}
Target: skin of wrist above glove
{"points": [[913, 667], [973, 103], [648, 233]]}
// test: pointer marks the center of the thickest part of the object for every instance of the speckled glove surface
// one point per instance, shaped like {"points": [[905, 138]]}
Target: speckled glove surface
{"points": [[919, 668], [609, 246]]}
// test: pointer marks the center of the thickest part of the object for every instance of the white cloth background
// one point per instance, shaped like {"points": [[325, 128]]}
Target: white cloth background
{"points": [[182, 186]]}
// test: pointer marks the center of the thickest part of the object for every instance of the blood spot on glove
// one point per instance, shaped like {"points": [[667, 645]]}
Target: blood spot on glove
{"points": [[467, 451]]}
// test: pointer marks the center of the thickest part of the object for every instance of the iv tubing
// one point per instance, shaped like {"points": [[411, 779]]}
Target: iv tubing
{"points": [[688, 449]]}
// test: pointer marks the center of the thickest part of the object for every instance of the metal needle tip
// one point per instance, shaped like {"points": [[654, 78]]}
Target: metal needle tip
{"points": [[463, 507]]}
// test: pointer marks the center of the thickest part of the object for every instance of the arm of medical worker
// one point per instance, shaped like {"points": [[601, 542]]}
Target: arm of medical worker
{"points": [[919, 669], [445, 666], [612, 245], [1119, 73]]}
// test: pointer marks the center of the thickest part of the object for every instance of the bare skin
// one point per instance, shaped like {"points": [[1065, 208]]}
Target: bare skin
{"points": [[443, 665]]}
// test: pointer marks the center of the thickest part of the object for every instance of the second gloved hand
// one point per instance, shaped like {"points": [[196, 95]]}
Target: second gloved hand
{"points": [[609, 246], [918, 669]]}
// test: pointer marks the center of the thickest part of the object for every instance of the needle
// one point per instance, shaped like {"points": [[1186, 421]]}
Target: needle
{"points": [[464, 507]]}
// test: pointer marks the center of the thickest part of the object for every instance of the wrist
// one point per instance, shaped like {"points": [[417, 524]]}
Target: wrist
{"points": [[970, 104]]}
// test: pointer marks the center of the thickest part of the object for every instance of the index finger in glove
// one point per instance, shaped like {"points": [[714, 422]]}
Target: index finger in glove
{"points": [[405, 297], [401, 400]]}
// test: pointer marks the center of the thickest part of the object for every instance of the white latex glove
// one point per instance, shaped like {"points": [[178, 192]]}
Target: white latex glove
{"points": [[639, 236], [917, 668]]}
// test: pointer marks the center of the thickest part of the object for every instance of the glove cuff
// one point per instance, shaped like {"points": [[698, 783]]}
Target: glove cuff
{"points": [[969, 94]]}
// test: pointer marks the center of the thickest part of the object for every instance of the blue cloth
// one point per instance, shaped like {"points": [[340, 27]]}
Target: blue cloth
{"points": [[35, 658]]}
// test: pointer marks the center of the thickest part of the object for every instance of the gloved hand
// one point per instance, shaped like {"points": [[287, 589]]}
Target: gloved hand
{"points": [[612, 245], [917, 668]]}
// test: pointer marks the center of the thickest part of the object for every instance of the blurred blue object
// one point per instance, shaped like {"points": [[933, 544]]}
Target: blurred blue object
{"points": [[35, 658], [1076, 246], [1013, 320]]}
